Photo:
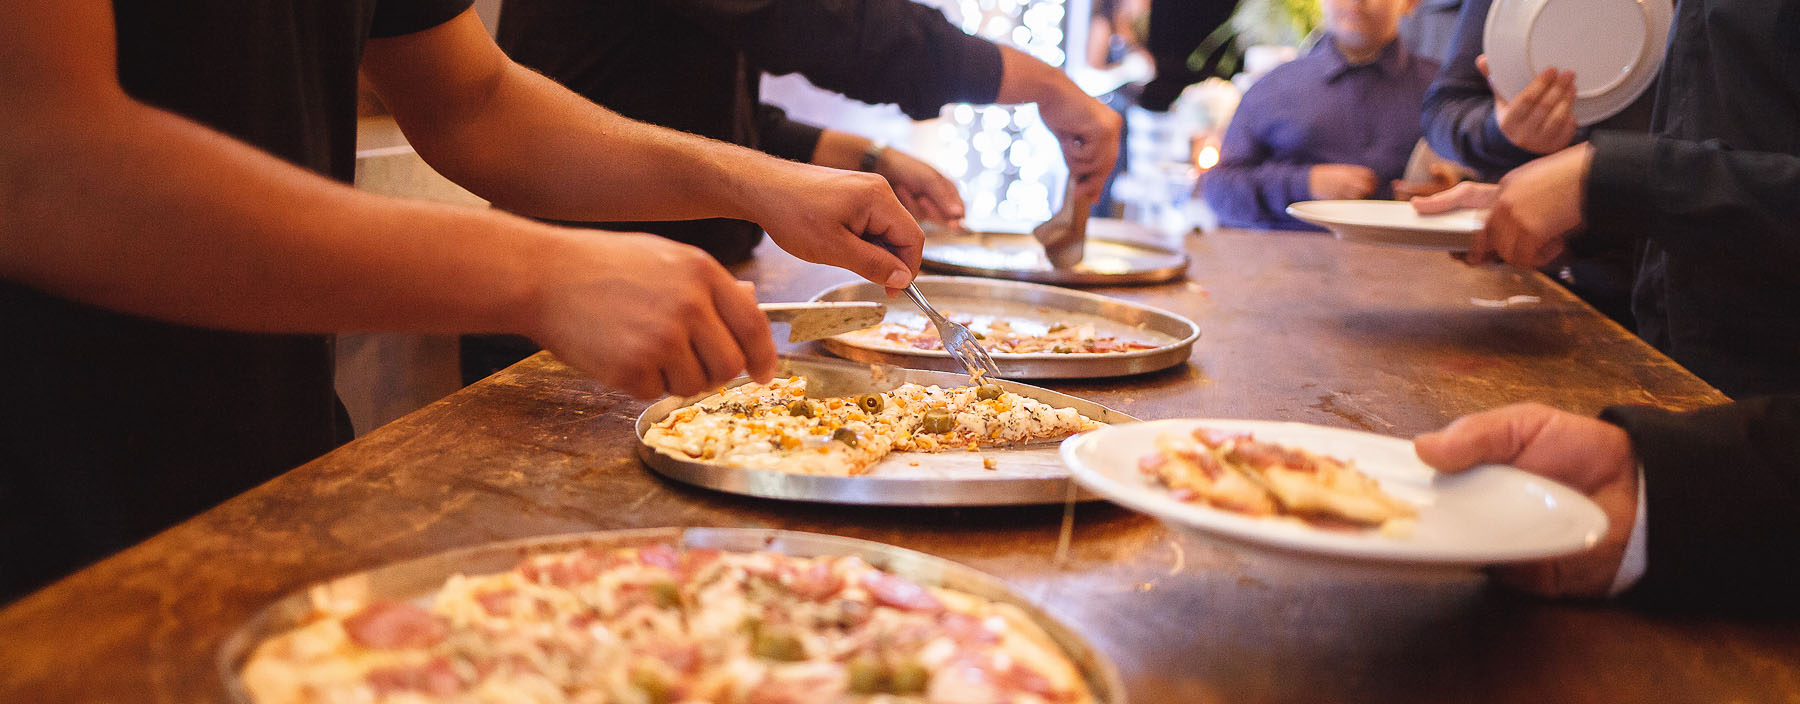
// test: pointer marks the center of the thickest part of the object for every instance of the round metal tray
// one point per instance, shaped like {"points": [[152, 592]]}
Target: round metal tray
{"points": [[1022, 474], [968, 295], [419, 579], [1117, 252]]}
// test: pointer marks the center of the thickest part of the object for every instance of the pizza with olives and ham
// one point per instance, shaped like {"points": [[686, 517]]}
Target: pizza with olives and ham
{"points": [[1239, 473], [774, 426], [661, 625]]}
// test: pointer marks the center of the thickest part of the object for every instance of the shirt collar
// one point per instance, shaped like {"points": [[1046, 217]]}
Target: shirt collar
{"points": [[1392, 61]]}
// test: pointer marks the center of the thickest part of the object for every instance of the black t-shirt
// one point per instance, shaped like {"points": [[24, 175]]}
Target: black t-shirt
{"points": [[694, 65], [113, 427]]}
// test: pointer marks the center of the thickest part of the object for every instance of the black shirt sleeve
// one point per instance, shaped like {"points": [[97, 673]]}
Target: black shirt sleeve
{"points": [[1721, 487], [876, 51], [397, 17], [785, 138]]}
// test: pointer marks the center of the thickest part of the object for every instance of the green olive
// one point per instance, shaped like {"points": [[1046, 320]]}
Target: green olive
{"points": [[909, 678], [800, 407], [870, 402], [937, 420], [844, 435], [988, 392], [867, 675], [1059, 327], [778, 645], [1062, 349]]}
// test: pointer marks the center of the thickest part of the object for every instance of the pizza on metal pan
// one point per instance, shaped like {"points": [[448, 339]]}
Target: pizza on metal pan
{"points": [[1242, 474], [774, 426], [1000, 336], [661, 625]]}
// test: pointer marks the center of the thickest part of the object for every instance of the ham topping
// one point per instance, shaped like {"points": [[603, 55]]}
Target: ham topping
{"points": [[388, 625]]}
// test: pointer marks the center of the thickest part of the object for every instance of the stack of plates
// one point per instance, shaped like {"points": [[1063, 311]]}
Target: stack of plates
{"points": [[1615, 48]]}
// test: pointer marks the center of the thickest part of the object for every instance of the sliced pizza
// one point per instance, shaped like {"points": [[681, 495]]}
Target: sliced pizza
{"points": [[774, 426], [1239, 473]]}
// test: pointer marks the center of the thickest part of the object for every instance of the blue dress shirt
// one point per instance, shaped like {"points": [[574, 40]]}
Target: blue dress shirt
{"points": [[1318, 109]]}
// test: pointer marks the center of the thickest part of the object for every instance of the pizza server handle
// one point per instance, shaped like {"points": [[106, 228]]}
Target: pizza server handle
{"points": [[814, 320]]}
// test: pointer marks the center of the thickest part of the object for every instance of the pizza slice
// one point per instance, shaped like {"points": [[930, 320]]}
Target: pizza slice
{"points": [[1240, 473]]}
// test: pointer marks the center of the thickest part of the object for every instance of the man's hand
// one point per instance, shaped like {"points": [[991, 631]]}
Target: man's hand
{"points": [[1340, 182], [1535, 208], [848, 219], [648, 316], [1541, 118], [1591, 455], [1087, 130], [925, 192]]}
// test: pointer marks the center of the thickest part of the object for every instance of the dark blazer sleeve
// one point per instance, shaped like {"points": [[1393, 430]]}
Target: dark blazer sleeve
{"points": [[1698, 191], [1722, 496], [876, 51], [1458, 119]]}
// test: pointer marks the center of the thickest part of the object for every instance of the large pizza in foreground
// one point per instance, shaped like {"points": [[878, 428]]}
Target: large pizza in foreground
{"points": [[659, 625], [774, 426]]}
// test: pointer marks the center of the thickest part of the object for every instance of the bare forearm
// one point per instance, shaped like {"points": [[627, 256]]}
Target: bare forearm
{"points": [[135, 209], [1027, 80], [535, 148], [531, 146], [841, 150]]}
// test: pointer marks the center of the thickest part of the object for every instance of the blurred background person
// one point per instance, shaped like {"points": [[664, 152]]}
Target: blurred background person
{"points": [[1430, 29], [1120, 61], [1339, 123]]}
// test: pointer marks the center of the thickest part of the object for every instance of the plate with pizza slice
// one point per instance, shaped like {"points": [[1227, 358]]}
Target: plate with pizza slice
{"points": [[1331, 492]]}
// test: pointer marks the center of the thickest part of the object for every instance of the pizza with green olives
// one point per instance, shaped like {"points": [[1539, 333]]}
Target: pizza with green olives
{"points": [[662, 625], [774, 426]]}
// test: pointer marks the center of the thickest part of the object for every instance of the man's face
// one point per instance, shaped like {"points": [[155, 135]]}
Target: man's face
{"points": [[1365, 23]]}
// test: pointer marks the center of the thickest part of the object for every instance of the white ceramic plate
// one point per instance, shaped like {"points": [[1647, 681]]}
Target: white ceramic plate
{"points": [[1392, 223], [1615, 48], [1488, 515]]}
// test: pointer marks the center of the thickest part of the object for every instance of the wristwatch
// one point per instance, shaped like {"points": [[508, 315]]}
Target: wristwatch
{"points": [[872, 156]]}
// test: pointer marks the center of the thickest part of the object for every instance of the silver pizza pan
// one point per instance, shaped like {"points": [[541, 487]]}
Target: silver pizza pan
{"points": [[1022, 474], [975, 296], [418, 579], [1117, 252]]}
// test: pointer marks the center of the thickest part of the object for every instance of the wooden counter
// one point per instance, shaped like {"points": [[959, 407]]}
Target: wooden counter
{"points": [[1294, 327]]}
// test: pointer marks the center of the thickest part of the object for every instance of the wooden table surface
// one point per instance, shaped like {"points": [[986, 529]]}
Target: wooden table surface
{"points": [[1295, 327]]}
